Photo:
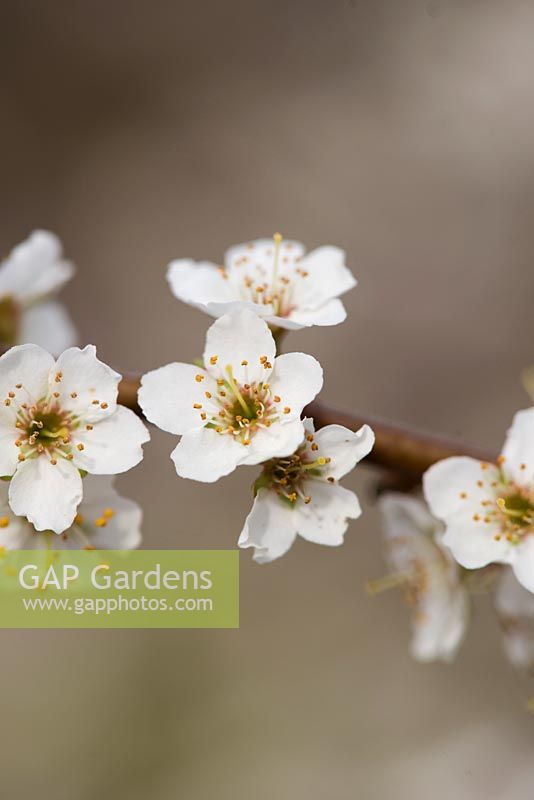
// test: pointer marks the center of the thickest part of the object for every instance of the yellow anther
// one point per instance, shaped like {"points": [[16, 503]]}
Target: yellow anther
{"points": [[80, 447], [103, 406], [108, 513], [78, 519], [214, 359], [199, 378], [74, 395], [277, 398], [197, 405], [101, 522], [53, 461], [244, 363], [208, 395], [7, 401], [314, 447], [277, 238], [321, 461], [58, 377], [18, 386], [56, 394], [287, 410], [263, 359], [69, 456], [4, 522], [22, 457], [463, 495], [501, 460], [88, 427], [12, 395]]}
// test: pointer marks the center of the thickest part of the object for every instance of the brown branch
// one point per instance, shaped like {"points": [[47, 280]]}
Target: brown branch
{"points": [[398, 448]]}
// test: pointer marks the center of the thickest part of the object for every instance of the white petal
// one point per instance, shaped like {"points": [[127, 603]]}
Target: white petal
{"points": [[257, 257], [86, 384], [330, 313], [523, 562], [327, 277], [113, 445], [48, 325], [9, 453], [205, 455], [325, 519], [297, 378], [48, 495], [344, 447], [35, 268], [446, 482], [440, 623], [473, 543], [237, 337], [199, 283], [270, 527], [168, 394], [278, 440], [29, 365], [122, 530], [14, 534], [518, 450]]}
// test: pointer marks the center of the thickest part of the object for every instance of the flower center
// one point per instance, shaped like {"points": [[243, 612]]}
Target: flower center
{"points": [[516, 512], [287, 476], [264, 285], [9, 321], [44, 428]]}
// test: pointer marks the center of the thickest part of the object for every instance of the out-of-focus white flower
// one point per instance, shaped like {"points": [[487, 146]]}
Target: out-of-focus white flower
{"points": [[243, 407], [515, 609], [104, 520], [272, 277], [424, 568], [57, 418], [30, 277], [300, 494], [488, 509]]}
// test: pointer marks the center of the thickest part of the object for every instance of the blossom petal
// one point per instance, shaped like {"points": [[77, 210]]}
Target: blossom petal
{"points": [[330, 313], [9, 452], [48, 495], [29, 365], [327, 277], [205, 455], [123, 517], [518, 450], [455, 483], [237, 337], [13, 530], [87, 386], [297, 378], [199, 283], [523, 562], [270, 528], [112, 445], [257, 258], [278, 440], [35, 268], [325, 519], [473, 543], [344, 447], [48, 325], [440, 622], [168, 394]]}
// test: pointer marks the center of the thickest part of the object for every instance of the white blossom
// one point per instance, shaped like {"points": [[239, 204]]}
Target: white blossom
{"points": [[57, 418], [515, 609], [488, 509], [242, 407], [300, 494], [274, 278], [427, 573], [30, 278], [104, 521]]}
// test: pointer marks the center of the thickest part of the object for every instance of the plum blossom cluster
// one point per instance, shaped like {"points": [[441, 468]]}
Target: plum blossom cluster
{"points": [[244, 404], [473, 534], [60, 421]]}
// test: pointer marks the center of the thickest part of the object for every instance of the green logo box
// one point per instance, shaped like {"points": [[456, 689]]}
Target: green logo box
{"points": [[119, 589]]}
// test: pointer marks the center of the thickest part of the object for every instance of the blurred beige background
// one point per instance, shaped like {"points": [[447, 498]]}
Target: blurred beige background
{"points": [[402, 131]]}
